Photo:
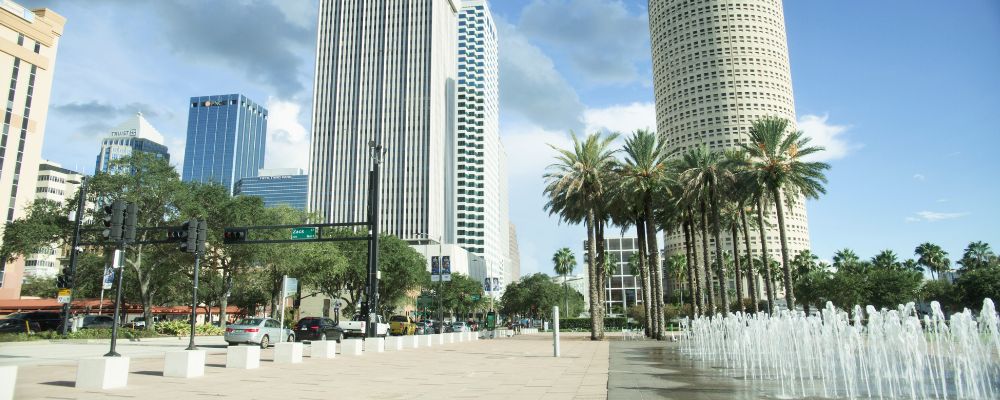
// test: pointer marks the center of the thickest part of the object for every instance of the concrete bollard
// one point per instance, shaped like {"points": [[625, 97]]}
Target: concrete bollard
{"points": [[428, 340], [394, 343], [8, 377], [288, 353], [184, 364], [102, 373], [323, 349], [375, 345], [451, 337], [412, 342], [351, 347], [243, 357]]}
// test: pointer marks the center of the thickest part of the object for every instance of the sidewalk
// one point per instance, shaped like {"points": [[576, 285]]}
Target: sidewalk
{"points": [[521, 367]]}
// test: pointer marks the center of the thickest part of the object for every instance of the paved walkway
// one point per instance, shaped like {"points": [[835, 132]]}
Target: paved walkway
{"points": [[69, 351], [521, 367]]}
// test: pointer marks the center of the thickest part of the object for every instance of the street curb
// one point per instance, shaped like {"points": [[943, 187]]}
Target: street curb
{"points": [[160, 339]]}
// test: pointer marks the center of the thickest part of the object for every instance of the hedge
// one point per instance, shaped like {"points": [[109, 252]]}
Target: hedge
{"points": [[584, 323]]}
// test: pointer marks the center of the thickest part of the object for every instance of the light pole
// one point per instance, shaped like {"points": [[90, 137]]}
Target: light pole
{"points": [[73, 249], [438, 291], [376, 152]]}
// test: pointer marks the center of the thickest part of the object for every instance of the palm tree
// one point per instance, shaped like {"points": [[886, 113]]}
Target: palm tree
{"points": [[564, 263], [977, 255], [645, 170], [778, 160], [742, 192], [676, 267], [845, 260], [626, 210], [886, 259], [933, 257], [731, 219], [761, 200], [575, 184], [704, 172]]}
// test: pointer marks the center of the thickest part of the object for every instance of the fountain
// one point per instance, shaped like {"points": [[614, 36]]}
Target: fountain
{"points": [[884, 354]]}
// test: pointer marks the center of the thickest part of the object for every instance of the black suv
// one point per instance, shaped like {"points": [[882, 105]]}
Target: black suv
{"points": [[37, 321], [17, 323], [317, 328]]}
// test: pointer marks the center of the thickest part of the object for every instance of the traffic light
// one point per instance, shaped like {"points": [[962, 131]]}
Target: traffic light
{"points": [[189, 238], [113, 220], [61, 282], [234, 235], [67, 276], [131, 218], [202, 235]]}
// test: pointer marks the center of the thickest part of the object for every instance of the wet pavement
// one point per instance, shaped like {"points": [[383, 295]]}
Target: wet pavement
{"points": [[649, 369]]}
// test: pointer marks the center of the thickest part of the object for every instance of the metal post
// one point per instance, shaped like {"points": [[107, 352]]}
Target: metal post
{"points": [[72, 254], [194, 299], [373, 216], [118, 304], [555, 331]]}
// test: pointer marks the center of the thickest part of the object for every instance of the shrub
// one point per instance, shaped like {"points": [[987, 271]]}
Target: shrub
{"points": [[183, 328], [584, 323]]}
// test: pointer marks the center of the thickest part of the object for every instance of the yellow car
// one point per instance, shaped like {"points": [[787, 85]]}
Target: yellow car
{"points": [[400, 325]]}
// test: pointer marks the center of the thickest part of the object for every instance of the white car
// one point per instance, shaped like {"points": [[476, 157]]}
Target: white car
{"points": [[257, 330]]}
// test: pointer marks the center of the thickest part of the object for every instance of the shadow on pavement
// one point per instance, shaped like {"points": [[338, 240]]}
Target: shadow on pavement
{"points": [[61, 383]]}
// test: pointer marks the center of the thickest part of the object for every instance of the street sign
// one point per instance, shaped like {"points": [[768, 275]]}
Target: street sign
{"points": [[109, 278], [475, 297], [64, 296], [306, 233], [291, 285]]}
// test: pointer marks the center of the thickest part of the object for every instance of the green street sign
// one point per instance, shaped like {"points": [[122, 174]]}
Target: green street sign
{"points": [[475, 297], [305, 233]]}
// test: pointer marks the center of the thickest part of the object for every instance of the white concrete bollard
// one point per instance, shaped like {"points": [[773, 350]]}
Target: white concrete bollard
{"points": [[451, 337], [288, 353], [8, 377], [323, 349], [375, 345], [102, 373], [412, 342], [439, 338], [184, 364], [475, 335], [351, 347], [243, 357], [394, 343], [428, 340]]}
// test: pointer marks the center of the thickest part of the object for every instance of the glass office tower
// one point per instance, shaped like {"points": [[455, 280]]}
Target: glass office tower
{"points": [[225, 139], [279, 186]]}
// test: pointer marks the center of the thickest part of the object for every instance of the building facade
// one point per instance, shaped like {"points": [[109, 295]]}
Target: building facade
{"points": [[135, 134], [718, 66], [386, 75], [279, 186], [623, 290], [514, 255], [56, 184], [226, 135], [480, 196], [29, 41]]}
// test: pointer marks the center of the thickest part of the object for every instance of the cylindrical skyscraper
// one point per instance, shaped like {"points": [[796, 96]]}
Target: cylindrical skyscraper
{"points": [[718, 66]]}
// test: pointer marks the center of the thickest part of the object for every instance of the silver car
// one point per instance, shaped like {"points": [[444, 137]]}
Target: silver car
{"points": [[459, 327], [257, 330]]}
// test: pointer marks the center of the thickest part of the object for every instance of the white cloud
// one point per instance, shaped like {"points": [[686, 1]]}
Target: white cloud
{"points": [[827, 135], [919, 177], [528, 150], [933, 216], [287, 137], [621, 118]]}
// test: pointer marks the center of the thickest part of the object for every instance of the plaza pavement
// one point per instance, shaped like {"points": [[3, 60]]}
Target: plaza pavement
{"points": [[521, 367]]}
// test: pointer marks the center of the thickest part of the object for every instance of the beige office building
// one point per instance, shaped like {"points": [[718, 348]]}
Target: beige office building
{"points": [[28, 43], [719, 65], [57, 184]]}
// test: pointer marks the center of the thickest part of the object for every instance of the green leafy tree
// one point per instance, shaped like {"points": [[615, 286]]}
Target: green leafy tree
{"points": [[978, 255], [778, 157], [932, 257], [576, 185], [534, 296], [978, 284], [39, 287]]}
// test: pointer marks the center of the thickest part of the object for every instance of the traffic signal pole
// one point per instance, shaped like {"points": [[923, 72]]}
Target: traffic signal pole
{"points": [[72, 255], [120, 267], [373, 216]]}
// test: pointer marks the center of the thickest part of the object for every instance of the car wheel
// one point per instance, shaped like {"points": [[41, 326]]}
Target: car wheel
{"points": [[291, 338], [230, 344], [264, 342], [322, 337]]}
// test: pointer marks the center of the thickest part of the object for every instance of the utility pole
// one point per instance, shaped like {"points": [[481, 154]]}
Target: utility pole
{"points": [[115, 222], [373, 216]]}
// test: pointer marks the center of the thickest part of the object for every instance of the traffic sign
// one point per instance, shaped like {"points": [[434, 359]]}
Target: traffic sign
{"points": [[64, 296], [306, 233]]}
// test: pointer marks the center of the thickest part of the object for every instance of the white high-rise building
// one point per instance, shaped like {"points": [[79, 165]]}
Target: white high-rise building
{"points": [[385, 73], [135, 134], [481, 209], [718, 66], [56, 184], [29, 40]]}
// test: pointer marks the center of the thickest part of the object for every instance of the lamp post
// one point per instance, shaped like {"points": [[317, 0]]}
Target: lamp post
{"points": [[438, 291], [72, 253]]}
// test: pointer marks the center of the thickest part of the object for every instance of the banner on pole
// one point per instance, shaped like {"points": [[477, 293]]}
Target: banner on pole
{"points": [[446, 268], [109, 277], [435, 270]]}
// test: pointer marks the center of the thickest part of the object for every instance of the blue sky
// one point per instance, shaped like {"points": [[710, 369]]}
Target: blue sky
{"points": [[904, 94]]}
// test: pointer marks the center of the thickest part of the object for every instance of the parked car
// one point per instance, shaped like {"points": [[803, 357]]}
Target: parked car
{"points": [[317, 328], [401, 325], [18, 323], [140, 322], [96, 322], [46, 320], [473, 325], [459, 327], [257, 330], [420, 330], [442, 327], [356, 327]]}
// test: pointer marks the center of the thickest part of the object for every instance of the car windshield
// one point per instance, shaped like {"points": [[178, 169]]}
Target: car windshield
{"points": [[15, 316], [398, 318], [249, 321], [309, 321]]}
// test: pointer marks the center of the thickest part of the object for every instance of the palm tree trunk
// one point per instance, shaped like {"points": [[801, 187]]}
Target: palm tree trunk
{"points": [[751, 275], [657, 269], [601, 270], [719, 259], [709, 285], [766, 267], [640, 228], [692, 270], [736, 268], [786, 268], [596, 313]]}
